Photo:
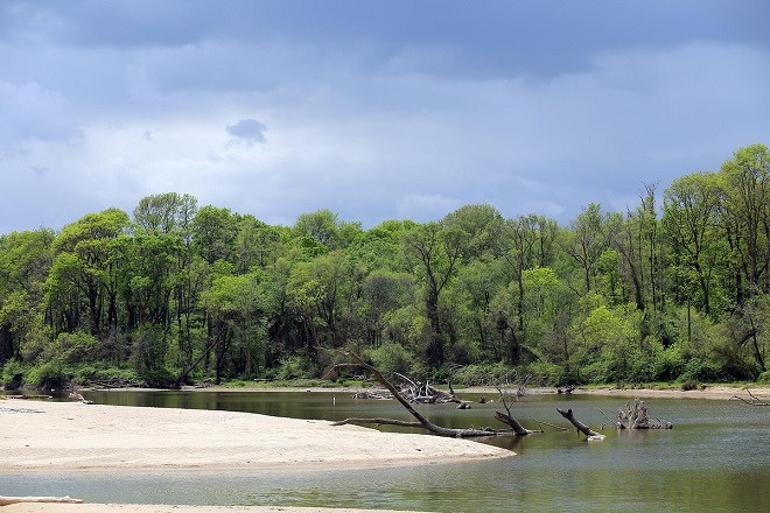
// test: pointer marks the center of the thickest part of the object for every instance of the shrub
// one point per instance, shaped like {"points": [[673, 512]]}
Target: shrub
{"points": [[293, 367], [670, 363], [157, 378], [78, 347], [691, 384], [596, 372], [85, 375], [699, 369], [483, 374], [764, 377], [12, 375], [544, 373], [391, 357], [48, 376]]}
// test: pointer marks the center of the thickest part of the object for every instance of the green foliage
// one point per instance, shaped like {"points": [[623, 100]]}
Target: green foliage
{"points": [[392, 357], [483, 374], [182, 293], [293, 367], [78, 347], [89, 374], [48, 376], [548, 374], [12, 375]]}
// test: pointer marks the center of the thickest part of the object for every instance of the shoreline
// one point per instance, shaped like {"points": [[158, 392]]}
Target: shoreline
{"points": [[75, 437], [711, 391], [156, 508]]}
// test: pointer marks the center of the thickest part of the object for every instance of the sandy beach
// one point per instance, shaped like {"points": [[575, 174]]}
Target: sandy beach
{"points": [[719, 392], [40, 435], [144, 508]]}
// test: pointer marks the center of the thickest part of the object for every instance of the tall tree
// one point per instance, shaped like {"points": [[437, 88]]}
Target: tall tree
{"points": [[435, 251]]}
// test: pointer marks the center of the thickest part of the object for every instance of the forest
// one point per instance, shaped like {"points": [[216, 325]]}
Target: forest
{"points": [[675, 288]]}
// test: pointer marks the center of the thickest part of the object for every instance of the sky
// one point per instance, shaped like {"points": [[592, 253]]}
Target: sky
{"points": [[376, 110]]}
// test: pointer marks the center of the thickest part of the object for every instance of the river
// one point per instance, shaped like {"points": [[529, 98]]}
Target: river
{"points": [[717, 458]]}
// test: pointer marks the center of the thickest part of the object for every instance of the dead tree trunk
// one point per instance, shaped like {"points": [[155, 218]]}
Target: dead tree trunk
{"points": [[753, 400], [422, 421], [7, 501], [507, 418], [516, 426], [590, 433]]}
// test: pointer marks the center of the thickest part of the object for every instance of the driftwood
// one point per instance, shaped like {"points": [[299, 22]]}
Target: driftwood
{"points": [[418, 392], [75, 395], [566, 390], [7, 501], [373, 395], [422, 421], [634, 415], [583, 428], [508, 418], [752, 400]]}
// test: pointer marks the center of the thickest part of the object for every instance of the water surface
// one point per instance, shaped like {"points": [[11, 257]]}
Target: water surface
{"points": [[717, 458]]}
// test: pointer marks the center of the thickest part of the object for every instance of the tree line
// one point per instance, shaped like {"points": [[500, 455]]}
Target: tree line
{"points": [[676, 287]]}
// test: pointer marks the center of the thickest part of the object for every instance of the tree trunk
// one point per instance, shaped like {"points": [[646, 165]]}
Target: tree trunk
{"points": [[435, 350], [590, 433], [422, 422]]}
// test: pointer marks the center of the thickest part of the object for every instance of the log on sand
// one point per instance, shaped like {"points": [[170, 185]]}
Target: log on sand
{"points": [[7, 501]]}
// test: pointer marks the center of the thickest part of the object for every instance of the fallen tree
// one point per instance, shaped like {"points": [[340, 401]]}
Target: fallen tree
{"points": [[422, 422], [634, 415], [583, 428], [753, 400], [508, 418], [415, 391], [7, 501]]}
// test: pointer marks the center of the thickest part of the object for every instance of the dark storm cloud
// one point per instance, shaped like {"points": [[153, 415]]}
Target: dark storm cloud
{"points": [[375, 109], [249, 130]]}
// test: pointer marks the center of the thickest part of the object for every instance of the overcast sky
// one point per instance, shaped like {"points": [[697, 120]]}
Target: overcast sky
{"points": [[375, 110]]}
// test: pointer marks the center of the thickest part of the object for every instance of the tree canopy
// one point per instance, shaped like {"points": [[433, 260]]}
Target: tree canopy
{"points": [[677, 287]]}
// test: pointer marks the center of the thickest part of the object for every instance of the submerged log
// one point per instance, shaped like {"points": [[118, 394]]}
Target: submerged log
{"points": [[373, 395], [634, 415], [7, 501], [753, 400], [583, 428]]}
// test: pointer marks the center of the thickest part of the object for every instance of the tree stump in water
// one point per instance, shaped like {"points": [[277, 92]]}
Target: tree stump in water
{"points": [[634, 415]]}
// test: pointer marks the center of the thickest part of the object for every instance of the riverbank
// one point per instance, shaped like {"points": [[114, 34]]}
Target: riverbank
{"points": [[664, 391], [145, 508], [54, 436]]}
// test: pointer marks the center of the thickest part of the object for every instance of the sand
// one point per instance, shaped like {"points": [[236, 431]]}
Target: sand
{"points": [[48, 436], [136, 508]]}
